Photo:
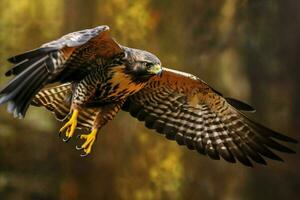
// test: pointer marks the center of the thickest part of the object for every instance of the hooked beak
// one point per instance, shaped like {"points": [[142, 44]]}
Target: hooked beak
{"points": [[155, 70]]}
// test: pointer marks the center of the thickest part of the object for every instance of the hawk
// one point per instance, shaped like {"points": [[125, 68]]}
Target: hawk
{"points": [[86, 78]]}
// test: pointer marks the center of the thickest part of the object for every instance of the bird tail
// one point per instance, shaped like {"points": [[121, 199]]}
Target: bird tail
{"points": [[58, 100], [31, 72]]}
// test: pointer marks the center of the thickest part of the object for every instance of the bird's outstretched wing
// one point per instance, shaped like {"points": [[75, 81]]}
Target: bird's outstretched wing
{"points": [[187, 110], [69, 58]]}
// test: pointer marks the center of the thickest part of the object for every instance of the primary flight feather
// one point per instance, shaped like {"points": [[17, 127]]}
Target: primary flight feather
{"points": [[97, 77]]}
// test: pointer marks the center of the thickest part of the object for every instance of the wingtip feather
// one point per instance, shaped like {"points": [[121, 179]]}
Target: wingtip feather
{"points": [[240, 105]]}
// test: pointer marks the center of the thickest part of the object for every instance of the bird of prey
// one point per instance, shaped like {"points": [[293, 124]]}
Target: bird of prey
{"points": [[86, 78]]}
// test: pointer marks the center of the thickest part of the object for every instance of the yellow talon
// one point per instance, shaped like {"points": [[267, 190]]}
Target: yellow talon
{"points": [[89, 141], [70, 125]]}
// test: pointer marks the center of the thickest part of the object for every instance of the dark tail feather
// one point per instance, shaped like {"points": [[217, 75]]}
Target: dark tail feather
{"points": [[20, 92], [19, 80], [24, 99], [20, 67], [31, 54], [31, 75]]}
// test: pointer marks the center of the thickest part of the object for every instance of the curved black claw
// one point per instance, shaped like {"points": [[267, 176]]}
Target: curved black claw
{"points": [[66, 139], [84, 155], [59, 134], [78, 148]]}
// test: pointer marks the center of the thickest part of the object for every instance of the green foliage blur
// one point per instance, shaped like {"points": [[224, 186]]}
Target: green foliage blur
{"points": [[247, 49]]}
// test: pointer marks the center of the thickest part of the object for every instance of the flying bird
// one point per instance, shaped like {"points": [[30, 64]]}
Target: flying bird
{"points": [[86, 78]]}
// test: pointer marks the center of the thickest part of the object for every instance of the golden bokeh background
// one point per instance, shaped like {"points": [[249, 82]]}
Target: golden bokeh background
{"points": [[248, 49]]}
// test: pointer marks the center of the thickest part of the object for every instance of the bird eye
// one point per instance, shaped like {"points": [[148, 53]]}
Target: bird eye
{"points": [[148, 65], [123, 55]]}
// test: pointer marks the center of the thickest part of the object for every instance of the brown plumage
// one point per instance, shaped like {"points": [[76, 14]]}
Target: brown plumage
{"points": [[98, 77], [186, 109]]}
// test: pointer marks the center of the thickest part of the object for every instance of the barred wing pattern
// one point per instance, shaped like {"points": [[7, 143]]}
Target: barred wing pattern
{"points": [[187, 110], [54, 55], [67, 59]]}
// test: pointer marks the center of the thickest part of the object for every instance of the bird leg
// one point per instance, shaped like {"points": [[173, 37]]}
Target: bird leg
{"points": [[105, 114], [88, 143], [70, 126]]}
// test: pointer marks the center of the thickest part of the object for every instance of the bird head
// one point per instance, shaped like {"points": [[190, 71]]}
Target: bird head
{"points": [[141, 65]]}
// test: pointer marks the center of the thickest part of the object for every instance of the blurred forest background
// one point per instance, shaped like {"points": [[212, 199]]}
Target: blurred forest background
{"points": [[248, 49]]}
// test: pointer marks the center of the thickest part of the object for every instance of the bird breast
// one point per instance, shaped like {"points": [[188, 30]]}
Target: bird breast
{"points": [[120, 84]]}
